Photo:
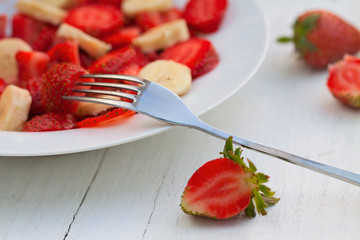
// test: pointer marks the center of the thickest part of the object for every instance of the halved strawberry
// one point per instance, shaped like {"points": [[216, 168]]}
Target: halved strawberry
{"points": [[224, 187], [344, 81], [85, 59], [122, 37], [115, 114], [34, 85], [59, 80], [31, 64], [196, 53], [3, 24], [205, 15], [50, 122], [96, 19], [115, 61], [65, 52], [172, 15], [37, 34], [148, 20]]}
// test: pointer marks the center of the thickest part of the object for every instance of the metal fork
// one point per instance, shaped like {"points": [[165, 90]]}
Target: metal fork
{"points": [[160, 103]]}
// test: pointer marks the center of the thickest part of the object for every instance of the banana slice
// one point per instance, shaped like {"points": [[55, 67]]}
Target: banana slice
{"points": [[42, 11], [163, 36], [132, 7], [60, 3], [8, 65], [15, 105], [93, 46], [172, 75], [93, 109]]}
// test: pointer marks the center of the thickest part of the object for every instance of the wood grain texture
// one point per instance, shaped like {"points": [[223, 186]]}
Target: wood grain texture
{"points": [[133, 191]]}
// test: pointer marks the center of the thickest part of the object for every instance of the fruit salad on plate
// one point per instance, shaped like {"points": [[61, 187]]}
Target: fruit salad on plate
{"points": [[51, 44]]}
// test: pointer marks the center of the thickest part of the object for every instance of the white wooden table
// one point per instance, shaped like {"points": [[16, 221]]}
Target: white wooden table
{"points": [[133, 191]]}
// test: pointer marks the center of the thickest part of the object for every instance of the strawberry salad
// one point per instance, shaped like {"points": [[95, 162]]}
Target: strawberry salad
{"points": [[53, 43]]}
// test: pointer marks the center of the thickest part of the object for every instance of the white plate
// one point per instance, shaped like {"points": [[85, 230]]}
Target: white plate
{"points": [[241, 42]]}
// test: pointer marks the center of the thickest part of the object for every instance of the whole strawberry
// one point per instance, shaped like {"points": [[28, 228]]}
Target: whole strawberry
{"points": [[59, 80], [321, 37], [344, 81], [224, 187]]}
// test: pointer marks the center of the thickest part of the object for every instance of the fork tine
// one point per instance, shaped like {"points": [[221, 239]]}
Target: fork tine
{"points": [[115, 77], [106, 92], [111, 85], [107, 101]]}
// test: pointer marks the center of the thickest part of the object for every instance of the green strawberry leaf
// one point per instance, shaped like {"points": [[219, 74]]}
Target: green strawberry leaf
{"points": [[259, 202], [250, 210], [252, 166], [262, 178], [266, 190]]}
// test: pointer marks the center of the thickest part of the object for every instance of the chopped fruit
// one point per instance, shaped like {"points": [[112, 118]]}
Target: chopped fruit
{"points": [[2, 85], [3, 23], [34, 85], [115, 3], [114, 62], [344, 81], [174, 76], [321, 37], [14, 108], [122, 37], [50, 122], [224, 187], [96, 19], [172, 15], [41, 11], [205, 15], [196, 53], [59, 80], [115, 114], [147, 20], [162, 36], [31, 64], [37, 34], [8, 66], [85, 59], [65, 52], [133, 7]]}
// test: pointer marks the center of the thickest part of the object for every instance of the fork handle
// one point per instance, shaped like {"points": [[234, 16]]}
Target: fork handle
{"points": [[334, 172]]}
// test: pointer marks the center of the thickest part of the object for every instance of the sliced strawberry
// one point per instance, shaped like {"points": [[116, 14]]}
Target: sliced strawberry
{"points": [[96, 19], [172, 15], [115, 114], [85, 59], [34, 85], [31, 64], [3, 24], [59, 80], [198, 54], [205, 15], [50, 122], [344, 81], [2, 85], [65, 52], [122, 37], [148, 20], [115, 61], [37, 34], [224, 187]]}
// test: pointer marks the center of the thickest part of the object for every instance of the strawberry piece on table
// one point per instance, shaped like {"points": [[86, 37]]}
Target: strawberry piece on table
{"points": [[3, 24], [148, 20], [31, 64], [196, 53], [116, 61], [224, 187], [96, 19], [65, 52], [122, 37], [37, 34], [50, 122], [344, 81], [59, 81], [115, 114], [321, 37], [205, 15]]}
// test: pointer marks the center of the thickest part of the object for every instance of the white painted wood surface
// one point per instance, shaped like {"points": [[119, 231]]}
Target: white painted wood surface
{"points": [[133, 191]]}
